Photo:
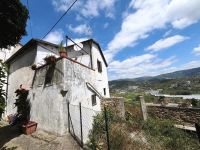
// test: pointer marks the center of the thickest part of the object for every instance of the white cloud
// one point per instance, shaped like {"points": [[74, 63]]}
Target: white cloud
{"points": [[87, 8], [191, 64], [183, 13], [149, 15], [166, 42], [196, 50], [188, 65], [79, 18], [81, 29], [106, 25], [143, 65], [167, 33], [55, 37]]}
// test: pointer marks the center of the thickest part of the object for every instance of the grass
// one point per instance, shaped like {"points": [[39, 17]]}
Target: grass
{"points": [[160, 134]]}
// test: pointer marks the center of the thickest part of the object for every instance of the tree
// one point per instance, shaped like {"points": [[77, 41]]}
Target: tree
{"points": [[2, 88], [13, 18]]}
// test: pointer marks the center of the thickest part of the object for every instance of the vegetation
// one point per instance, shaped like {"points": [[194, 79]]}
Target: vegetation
{"points": [[13, 16], [61, 47], [178, 83], [163, 135], [2, 90], [23, 105], [133, 133], [195, 103], [118, 134]]}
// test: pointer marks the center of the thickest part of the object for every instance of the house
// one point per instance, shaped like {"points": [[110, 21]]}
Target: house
{"points": [[79, 78], [6, 53]]}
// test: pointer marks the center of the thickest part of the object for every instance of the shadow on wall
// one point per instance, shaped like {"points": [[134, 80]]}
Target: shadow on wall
{"points": [[8, 133], [49, 75]]}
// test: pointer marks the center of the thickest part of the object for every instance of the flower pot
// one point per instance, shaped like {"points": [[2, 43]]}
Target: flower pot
{"points": [[63, 54], [29, 128]]}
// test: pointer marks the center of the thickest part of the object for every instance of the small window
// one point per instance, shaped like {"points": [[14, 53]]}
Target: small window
{"points": [[49, 75], [104, 91], [99, 65], [94, 101]]}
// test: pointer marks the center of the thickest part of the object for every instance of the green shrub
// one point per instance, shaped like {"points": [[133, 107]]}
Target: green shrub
{"points": [[119, 134], [2, 91], [165, 134]]}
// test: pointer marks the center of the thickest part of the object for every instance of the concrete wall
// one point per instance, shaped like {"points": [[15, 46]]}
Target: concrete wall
{"points": [[101, 78], [20, 72], [49, 106], [80, 55], [43, 51], [47, 100]]}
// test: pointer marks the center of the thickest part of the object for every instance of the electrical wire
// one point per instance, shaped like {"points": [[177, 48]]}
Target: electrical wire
{"points": [[76, 44], [60, 19]]}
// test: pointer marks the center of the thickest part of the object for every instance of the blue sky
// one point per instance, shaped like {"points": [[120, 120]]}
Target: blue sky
{"points": [[138, 37]]}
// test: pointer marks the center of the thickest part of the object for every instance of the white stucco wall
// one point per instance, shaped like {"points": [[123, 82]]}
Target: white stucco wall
{"points": [[49, 107], [6, 53], [83, 55], [101, 78], [47, 101], [20, 72], [43, 51]]}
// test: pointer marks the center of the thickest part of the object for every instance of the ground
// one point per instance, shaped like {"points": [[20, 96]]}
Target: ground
{"points": [[12, 139]]}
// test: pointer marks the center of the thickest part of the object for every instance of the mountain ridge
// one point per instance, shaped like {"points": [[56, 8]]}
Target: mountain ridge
{"points": [[172, 75]]}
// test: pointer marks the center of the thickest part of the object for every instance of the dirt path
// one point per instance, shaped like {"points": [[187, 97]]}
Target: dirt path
{"points": [[11, 139]]}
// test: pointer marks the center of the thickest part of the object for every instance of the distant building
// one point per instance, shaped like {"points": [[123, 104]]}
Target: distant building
{"points": [[6, 53]]}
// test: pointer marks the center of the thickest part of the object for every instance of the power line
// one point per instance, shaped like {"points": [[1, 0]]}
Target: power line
{"points": [[76, 44], [29, 18], [60, 19]]}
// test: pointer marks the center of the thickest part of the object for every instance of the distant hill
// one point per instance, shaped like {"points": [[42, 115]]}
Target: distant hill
{"points": [[184, 81], [181, 74], [173, 75]]}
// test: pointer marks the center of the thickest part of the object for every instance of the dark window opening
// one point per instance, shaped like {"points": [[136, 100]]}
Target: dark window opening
{"points": [[104, 91], [94, 101], [99, 65], [49, 74]]}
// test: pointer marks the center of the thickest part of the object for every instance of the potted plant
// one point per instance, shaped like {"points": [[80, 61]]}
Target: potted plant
{"points": [[50, 59], [22, 118], [62, 50], [34, 67]]}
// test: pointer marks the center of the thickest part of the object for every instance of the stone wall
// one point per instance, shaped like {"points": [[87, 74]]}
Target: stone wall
{"points": [[116, 103], [177, 114]]}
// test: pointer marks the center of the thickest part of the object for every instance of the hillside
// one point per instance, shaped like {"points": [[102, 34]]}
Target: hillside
{"points": [[179, 82], [181, 74]]}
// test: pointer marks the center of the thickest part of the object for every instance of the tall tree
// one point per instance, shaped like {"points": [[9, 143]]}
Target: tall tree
{"points": [[13, 18]]}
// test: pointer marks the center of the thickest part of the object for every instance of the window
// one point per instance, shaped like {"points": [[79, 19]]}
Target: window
{"points": [[99, 65], [104, 91], [94, 101], [49, 75]]}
